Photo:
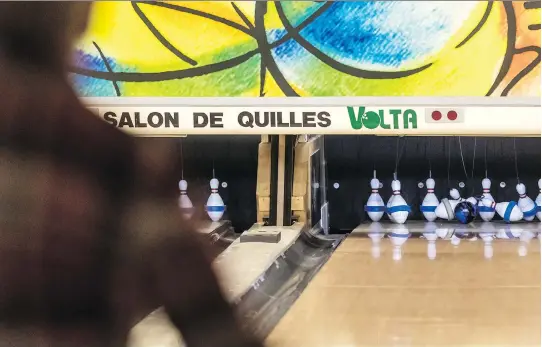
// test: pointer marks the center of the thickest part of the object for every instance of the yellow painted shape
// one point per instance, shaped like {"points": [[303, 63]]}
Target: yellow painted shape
{"points": [[222, 9], [122, 35], [248, 8], [471, 68]]}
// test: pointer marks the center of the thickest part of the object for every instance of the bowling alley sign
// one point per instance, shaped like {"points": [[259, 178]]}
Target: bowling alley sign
{"points": [[347, 120]]}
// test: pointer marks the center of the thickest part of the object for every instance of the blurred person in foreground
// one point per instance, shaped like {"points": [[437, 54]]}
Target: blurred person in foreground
{"points": [[90, 236]]}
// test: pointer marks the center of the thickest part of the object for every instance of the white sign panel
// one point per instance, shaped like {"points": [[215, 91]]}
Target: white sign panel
{"points": [[396, 120]]}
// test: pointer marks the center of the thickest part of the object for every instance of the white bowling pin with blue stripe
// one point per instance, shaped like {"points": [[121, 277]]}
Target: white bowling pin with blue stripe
{"points": [[215, 205], [509, 211], [375, 205], [430, 201], [487, 234], [397, 207], [538, 202], [524, 239], [430, 234], [375, 234], [525, 203], [398, 236], [486, 213], [509, 232], [185, 204]]}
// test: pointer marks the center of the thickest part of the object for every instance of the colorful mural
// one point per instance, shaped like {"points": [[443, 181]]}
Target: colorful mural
{"points": [[310, 48]]}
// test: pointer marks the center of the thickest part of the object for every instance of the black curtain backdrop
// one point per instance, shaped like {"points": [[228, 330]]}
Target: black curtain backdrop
{"points": [[351, 159]]}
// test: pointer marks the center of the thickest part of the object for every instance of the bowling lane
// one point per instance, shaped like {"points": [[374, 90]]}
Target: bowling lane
{"points": [[459, 298]]}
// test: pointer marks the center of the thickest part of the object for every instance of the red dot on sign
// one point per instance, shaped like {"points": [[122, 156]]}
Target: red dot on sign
{"points": [[452, 115], [436, 115]]}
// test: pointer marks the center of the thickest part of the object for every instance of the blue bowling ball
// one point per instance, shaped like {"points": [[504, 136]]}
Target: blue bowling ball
{"points": [[465, 212]]}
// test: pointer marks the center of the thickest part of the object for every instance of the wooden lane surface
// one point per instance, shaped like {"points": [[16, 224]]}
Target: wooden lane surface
{"points": [[458, 299]]}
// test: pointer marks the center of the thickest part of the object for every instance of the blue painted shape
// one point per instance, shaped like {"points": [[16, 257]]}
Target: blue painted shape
{"points": [[89, 86], [510, 235], [425, 208], [385, 34], [508, 211], [216, 208], [375, 208], [399, 208], [486, 209], [531, 212]]}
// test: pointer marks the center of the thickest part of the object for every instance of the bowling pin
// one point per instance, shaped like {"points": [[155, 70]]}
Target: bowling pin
{"points": [[185, 204], [430, 234], [538, 202], [445, 210], [473, 201], [215, 205], [486, 213], [398, 236], [430, 201], [375, 234], [487, 234], [444, 233], [397, 207], [509, 211], [454, 194], [524, 239], [455, 240], [375, 205], [525, 203], [509, 232]]}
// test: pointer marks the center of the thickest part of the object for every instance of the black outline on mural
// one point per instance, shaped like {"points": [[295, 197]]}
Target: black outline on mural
{"points": [[479, 26], [517, 78], [511, 51], [242, 16], [107, 66], [510, 47], [268, 63], [212, 17], [347, 69], [161, 37], [165, 75], [264, 49], [530, 5], [183, 73], [533, 5]]}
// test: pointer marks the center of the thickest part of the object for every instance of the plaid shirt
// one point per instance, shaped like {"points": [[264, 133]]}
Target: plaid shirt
{"points": [[90, 235]]}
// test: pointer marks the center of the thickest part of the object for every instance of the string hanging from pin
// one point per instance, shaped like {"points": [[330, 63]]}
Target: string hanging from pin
{"points": [[182, 160], [473, 158], [516, 160], [473, 161], [485, 157], [373, 153], [398, 155], [447, 143], [462, 158], [428, 156], [214, 168]]}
